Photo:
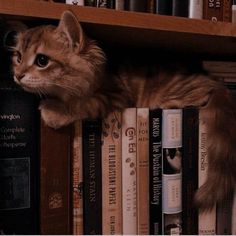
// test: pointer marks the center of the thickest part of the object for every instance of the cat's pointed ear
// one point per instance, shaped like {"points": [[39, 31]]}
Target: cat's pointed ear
{"points": [[70, 25]]}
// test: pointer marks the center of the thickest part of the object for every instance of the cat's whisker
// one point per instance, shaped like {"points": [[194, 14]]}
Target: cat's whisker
{"points": [[70, 89], [43, 93]]}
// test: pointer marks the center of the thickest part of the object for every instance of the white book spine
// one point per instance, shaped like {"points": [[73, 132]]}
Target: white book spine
{"points": [[111, 175], [206, 220], [196, 9], [129, 163], [143, 170], [172, 171], [75, 2]]}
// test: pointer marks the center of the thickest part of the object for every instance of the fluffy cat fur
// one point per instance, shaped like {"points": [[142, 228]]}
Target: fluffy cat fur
{"points": [[70, 69]]}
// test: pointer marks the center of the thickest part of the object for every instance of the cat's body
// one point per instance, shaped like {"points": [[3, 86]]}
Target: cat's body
{"points": [[70, 70]]}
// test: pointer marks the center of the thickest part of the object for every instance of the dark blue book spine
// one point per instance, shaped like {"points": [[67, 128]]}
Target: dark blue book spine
{"points": [[19, 160], [164, 7], [155, 171], [92, 204]]}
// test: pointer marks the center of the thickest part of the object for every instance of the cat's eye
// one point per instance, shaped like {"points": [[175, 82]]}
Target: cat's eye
{"points": [[17, 56], [41, 60]]}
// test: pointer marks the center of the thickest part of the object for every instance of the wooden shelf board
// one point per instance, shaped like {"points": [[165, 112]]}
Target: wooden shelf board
{"points": [[135, 29]]}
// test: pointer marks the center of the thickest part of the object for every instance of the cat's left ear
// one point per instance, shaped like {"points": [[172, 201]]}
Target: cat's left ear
{"points": [[70, 25]]}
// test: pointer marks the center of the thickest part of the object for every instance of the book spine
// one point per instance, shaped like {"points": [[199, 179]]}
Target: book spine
{"points": [[151, 6], [233, 12], [55, 181], [227, 10], [77, 180], [180, 8], [206, 220], [111, 4], [90, 3], [92, 198], [102, 3], [119, 4], [190, 170], [213, 10], [172, 171], [134, 5], [143, 171], [111, 175], [75, 2], [196, 9], [164, 7], [155, 171], [129, 183], [19, 161]]}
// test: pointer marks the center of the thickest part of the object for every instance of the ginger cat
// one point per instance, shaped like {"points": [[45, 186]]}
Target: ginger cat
{"points": [[66, 66]]}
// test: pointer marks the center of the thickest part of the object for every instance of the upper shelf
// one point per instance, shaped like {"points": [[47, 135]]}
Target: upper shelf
{"points": [[136, 29]]}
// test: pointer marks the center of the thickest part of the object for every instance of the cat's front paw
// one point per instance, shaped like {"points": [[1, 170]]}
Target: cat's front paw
{"points": [[53, 115]]}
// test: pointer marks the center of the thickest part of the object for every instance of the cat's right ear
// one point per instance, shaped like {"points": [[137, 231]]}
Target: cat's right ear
{"points": [[70, 25]]}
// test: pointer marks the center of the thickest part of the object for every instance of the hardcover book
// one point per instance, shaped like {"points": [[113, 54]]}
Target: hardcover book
{"points": [[172, 171], [111, 175], [155, 171], [55, 181], [19, 160], [213, 10], [92, 169]]}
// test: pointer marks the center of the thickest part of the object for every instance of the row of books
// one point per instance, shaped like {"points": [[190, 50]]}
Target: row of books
{"points": [[126, 178], [137, 173], [36, 175], [214, 10]]}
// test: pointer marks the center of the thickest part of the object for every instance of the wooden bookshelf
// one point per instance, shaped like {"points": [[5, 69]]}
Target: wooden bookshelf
{"points": [[134, 29]]}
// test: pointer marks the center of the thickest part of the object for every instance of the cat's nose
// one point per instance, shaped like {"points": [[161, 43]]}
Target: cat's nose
{"points": [[19, 77]]}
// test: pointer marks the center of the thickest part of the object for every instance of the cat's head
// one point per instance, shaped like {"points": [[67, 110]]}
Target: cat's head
{"points": [[57, 61]]}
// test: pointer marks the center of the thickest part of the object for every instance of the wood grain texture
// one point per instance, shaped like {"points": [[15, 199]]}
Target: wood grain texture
{"points": [[134, 29]]}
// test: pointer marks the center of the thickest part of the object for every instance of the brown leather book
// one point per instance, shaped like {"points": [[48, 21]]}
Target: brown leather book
{"points": [[55, 181], [213, 10]]}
